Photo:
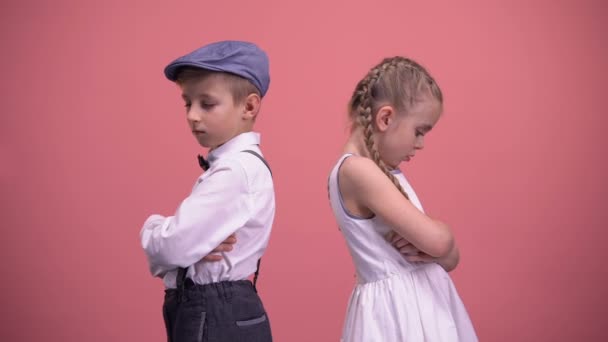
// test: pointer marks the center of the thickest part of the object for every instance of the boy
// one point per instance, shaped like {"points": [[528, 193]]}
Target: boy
{"points": [[208, 296]]}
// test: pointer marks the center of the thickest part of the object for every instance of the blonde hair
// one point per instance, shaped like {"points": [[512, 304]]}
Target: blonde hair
{"points": [[239, 87], [399, 82]]}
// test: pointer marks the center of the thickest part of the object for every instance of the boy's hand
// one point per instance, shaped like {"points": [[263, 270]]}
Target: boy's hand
{"points": [[225, 246]]}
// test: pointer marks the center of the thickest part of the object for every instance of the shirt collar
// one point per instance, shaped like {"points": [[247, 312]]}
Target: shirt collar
{"points": [[239, 143]]}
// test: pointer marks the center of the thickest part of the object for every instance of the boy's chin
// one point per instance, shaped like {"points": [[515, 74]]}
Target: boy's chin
{"points": [[204, 144], [210, 145]]}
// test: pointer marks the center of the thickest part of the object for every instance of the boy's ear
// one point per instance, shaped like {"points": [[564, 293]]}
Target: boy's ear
{"points": [[384, 118], [252, 106]]}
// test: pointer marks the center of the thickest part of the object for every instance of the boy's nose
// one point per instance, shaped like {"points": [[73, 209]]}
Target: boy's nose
{"points": [[193, 115]]}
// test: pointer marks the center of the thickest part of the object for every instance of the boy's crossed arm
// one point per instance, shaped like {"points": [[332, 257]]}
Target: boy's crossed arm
{"points": [[225, 246], [204, 223]]}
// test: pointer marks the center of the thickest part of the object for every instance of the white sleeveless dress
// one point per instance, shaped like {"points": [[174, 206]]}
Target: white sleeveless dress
{"points": [[395, 300]]}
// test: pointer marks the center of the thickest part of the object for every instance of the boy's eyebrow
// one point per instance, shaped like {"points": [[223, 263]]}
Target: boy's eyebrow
{"points": [[201, 95]]}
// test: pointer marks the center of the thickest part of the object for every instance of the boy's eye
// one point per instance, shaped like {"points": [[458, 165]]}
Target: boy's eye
{"points": [[207, 105], [418, 133]]}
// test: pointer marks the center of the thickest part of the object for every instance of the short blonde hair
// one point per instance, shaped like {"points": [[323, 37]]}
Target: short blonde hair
{"points": [[239, 87]]}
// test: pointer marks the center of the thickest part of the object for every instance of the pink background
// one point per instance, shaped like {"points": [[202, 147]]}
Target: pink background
{"points": [[93, 139]]}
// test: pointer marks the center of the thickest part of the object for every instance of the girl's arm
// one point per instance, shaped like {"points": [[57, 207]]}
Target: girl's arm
{"points": [[363, 183], [412, 254], [450, 261]]}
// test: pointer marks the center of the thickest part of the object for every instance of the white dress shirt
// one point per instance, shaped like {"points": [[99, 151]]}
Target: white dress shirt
{"points": [[235, 195]]}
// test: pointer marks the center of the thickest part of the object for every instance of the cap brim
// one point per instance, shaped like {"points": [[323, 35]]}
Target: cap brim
{"points": [[172, 69]]}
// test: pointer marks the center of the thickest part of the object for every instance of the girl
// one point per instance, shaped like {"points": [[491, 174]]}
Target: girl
{"points": [[401, 255]]}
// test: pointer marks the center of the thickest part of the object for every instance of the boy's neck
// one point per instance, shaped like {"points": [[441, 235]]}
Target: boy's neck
{"points": [[250, 129]]}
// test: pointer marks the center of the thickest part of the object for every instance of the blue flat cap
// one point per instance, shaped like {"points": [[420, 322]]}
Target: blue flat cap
{"points": [[240, 58]]}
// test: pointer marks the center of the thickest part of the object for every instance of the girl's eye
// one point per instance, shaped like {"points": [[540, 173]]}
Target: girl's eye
{"points": [[418, 133]]}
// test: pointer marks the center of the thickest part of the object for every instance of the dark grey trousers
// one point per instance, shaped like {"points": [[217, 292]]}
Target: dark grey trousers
{"points": [[229, 311]]}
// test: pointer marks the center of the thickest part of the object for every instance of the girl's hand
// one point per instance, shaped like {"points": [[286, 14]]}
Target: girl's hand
{"points": [[402, 245], [225, 246], [409, 251], [421, 257], [448, 262], [413, 254]]}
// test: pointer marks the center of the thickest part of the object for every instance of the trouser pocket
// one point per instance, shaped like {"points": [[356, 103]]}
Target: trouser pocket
{"points": [[191, 325]]}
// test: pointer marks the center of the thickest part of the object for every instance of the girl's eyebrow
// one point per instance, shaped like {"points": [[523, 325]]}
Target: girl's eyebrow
{"points": [[426, 128]]}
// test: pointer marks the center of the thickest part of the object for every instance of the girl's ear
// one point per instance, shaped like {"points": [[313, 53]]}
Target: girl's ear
{"points": [[384, 117], [252, 106]]}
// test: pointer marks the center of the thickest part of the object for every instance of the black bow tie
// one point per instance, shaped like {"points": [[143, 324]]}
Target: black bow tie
{"points": [[204, 164]]}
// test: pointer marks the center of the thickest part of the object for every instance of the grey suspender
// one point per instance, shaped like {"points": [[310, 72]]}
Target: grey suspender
{"points": [[181, 272]]}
